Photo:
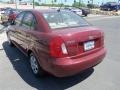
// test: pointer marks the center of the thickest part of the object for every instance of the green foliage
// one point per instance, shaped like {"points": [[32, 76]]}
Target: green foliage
{"points": [[37, 4], [92, 6], [77, 5], [55, 5]]}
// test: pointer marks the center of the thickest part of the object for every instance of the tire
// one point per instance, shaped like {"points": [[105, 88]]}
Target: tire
{"points": [[116, 10], [11, 22], [35, 67], [2, 22], [86, 15]]}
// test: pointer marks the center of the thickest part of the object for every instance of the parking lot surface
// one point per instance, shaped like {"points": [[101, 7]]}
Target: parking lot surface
{"points": [[15, 73]]}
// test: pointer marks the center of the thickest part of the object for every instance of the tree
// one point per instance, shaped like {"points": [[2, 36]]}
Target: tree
{"points": [[12, 1], [55, 0], [33, 4], [78, 4], [37, 4]]}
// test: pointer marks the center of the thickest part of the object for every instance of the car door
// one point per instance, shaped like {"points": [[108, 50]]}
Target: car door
{"points": [[26, 30], [16, 30]]}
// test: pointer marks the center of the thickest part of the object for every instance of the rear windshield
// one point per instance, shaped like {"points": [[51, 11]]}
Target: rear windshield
{"points": [[64, 19]]}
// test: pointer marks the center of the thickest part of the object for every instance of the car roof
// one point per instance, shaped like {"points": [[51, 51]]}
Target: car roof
{"points": [[45, 10]]}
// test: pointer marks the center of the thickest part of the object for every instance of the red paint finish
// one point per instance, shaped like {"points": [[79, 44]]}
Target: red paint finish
{"points": [[12, 16], [60, 52]]}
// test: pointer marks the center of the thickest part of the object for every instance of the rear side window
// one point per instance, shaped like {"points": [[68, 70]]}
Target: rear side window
{"points": [[19, 18]]}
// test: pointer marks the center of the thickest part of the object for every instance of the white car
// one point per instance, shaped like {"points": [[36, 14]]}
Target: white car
{"points": [[75, 10]]}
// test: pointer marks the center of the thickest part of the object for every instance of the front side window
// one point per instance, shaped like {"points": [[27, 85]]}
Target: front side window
{"points": [[64, 19], [19, 18], [27, 21]]}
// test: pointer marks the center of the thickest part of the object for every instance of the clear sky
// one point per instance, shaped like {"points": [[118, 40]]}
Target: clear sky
{"points": [[84, 1], [71, 1]]}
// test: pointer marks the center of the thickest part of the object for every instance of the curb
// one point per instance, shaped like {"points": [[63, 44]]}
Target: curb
{"points": [[110, 13]]}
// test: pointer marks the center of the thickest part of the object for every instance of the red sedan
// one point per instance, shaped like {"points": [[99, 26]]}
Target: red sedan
{"points": [[56, 41]]}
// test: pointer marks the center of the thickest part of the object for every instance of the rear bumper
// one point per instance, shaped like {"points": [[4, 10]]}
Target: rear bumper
{"points": [[67, 67]]}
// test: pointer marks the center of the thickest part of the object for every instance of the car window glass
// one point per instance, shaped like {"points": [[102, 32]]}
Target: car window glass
{"points": [[64, 20], [33, 23], [19, 18], [27, 21], [6, 12]]}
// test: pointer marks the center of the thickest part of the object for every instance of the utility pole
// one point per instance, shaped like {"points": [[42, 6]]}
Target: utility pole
{"points": [[33, 4], [52, 2], [16, 3]]}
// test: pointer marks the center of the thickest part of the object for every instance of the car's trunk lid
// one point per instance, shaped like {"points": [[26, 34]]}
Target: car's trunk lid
{"points": [[80, 40]]}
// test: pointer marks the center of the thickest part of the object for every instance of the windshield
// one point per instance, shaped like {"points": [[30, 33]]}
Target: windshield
{"points": [[64, 19]]}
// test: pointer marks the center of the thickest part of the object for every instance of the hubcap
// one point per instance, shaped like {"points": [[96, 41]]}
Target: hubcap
{"points": [[34, 64]]}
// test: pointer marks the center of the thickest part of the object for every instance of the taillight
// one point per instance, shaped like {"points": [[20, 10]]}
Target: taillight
{"points": [[58, 48]]}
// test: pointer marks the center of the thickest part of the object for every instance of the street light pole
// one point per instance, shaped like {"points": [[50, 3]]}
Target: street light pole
{"points": [[16, 4], [33, 4]]}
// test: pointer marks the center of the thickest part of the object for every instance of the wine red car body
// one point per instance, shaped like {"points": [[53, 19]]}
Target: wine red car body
{"points": [[57, 41]]}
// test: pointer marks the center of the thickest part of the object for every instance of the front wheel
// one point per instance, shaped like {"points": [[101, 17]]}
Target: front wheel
{"points": [[36, 69]]}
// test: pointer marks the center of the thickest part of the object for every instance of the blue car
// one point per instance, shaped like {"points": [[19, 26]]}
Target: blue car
{"points": [[110, 6]]}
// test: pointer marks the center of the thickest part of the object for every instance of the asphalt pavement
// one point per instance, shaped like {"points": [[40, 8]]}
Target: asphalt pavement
{"points": [[15, 73]]}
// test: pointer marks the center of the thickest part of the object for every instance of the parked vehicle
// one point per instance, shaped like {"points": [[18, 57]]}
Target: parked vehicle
{"points": [[80, 11], [85, 11], [1, 10], [110, 6], [9, 15], [75, 10], [57, 41]]}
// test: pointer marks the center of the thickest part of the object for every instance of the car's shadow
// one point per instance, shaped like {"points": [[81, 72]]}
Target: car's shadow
{"points": [[21, 65]]}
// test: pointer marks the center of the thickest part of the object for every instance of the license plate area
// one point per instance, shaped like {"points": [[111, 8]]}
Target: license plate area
{"points": [[89, 45]]}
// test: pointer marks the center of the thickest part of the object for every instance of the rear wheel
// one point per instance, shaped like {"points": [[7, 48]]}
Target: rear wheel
{"points": [[10, 22], [86, 15], [36, 69]]}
